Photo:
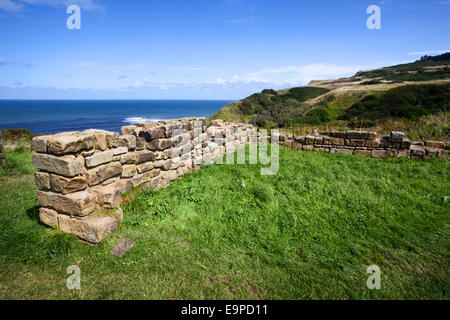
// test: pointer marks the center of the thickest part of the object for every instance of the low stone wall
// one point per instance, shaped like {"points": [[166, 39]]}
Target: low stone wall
{"points": [[366, 143], [2, 149], [83, 175]]}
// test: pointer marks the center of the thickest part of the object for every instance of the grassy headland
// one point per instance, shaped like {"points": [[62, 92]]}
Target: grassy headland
{"points": [[226, 232]]}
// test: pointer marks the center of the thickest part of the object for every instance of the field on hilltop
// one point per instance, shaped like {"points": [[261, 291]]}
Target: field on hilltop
{"points": [[408, 94]]}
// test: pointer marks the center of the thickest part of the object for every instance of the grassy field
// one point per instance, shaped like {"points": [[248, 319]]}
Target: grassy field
{"points": [[226, 232]]}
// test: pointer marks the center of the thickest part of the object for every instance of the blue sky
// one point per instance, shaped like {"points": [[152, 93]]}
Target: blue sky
{"points": [[211, 49]]}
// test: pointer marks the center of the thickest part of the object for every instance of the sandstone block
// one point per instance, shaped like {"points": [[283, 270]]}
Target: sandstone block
{"points": [[128, 158], [108, 196], [48, 217], [102, 173], [128, 141], [309, 140], [125, 185], [372, 143], [343, 151], [308, 147], [338, 134], [126, 130], [371, 135], [77, 204], [144, 167], [39, 144], [42, 180], [63, 144], [128, 170], [333, 141], [144, 156], [140, 143], [67, 185], [144, 177], [92, 229], [217, 122], [318, 139], [101, 138], [99, 158], [435, 144], [67, 166], [356, 135], [119, 150], [355, 142]]}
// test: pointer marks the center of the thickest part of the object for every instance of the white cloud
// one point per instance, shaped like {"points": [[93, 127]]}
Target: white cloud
{"points": [[429, 52], [18, 5], [9, 5]]}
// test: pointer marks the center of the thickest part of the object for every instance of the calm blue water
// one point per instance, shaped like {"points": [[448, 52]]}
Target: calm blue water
{"points": [[53, 116]]}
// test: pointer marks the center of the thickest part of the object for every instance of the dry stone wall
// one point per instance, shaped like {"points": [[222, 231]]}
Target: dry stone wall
{"points": [[368, 144], [83, 175]]}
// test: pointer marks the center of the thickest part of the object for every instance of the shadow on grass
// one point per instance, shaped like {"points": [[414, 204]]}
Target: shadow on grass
{"points": [[33, 214]]}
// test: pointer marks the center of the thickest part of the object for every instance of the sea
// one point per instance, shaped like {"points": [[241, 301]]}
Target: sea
{"points": [[54, 116]]}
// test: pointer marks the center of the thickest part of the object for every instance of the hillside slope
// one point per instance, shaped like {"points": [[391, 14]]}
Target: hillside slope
{"points": [[409, 90]]}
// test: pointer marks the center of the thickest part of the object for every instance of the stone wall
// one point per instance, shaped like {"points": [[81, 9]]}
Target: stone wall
{"points": [[83, 175], [366, 143]]}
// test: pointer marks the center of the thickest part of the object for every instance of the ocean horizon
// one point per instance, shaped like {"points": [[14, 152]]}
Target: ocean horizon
{"points": [[54, 116]]}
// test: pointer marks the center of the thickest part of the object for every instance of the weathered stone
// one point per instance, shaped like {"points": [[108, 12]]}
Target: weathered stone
{"points": [[101, 138], [155, 182], [92, 229], [128, 171], [403, 154], [318, 140], [67, 185], [67, 166], [308, 147], [39, 144], [48, 217], [122, 247], [372, 143], [309, 140], [435, 144], [63, 144], [42, 180], [128, 141], [78, 203], [356, 135], [99, 174], [125, 185], [99, 158], [125, 130], [144, 167], [108, 196], [355, 142], [112, 139], [396, 135], [120, 150], [417, 151], [144, 156], [371, 135], [406, 144], [128, 158], [338, 134], [381, 154], [151, 134], [333, 141], [366, 153], [109, 181], [144, 177], [140, 143]]}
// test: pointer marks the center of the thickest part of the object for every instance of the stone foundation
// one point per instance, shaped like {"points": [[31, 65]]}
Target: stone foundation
{"points": [[83, 175], [366, 143]]}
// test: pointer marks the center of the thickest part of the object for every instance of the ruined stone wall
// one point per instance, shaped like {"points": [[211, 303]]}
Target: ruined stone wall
{"points": [[366, 143], [83, 175]]}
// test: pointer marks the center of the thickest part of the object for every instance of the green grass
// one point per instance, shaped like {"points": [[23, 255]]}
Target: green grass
{"points": [[226, 232]]}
